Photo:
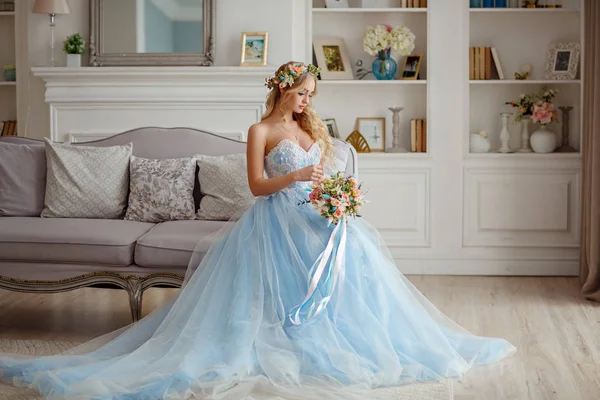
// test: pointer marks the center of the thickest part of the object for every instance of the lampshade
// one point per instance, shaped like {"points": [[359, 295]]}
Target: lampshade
{"points": [[51, 7]]}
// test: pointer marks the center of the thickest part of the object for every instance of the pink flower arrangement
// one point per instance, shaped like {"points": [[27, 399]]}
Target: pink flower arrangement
{"points": [[543, 113], [526, 104], [336, 197]]}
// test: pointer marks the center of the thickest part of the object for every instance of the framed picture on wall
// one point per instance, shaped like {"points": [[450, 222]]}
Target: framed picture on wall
{"points": [[333, 58], [373, 130], [332, 127], [255, 46], [562, 61], [412, 66]]}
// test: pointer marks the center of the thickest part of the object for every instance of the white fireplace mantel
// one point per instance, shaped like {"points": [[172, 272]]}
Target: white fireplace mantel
{"points": [[91, 102]]}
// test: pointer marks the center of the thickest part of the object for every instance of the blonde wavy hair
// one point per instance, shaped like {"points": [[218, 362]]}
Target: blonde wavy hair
{"points": [[308, 119]]}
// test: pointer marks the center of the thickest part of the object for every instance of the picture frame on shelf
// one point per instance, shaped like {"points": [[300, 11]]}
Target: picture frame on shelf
{"points": [[373, 130], [331, 55], [562, 61], [412, 67], [255, 48], [332, 127]]}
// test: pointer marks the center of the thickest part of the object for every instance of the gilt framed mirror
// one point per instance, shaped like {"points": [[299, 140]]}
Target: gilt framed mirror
{"points": [[152, 32]]}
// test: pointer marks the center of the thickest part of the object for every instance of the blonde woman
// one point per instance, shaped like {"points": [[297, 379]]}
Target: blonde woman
{"points": [[265, 315]]}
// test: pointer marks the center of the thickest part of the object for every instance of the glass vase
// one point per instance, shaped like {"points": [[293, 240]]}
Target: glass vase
{"points": [[384, 67]]}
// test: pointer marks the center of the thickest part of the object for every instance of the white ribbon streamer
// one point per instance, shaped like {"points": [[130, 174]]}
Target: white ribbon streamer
{"points": [[338, 273]]}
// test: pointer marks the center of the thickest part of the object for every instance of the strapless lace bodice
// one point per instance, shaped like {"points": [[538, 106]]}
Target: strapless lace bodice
{"points": [[288, 156]]}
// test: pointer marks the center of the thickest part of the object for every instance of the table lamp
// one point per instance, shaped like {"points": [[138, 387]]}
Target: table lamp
{"points": [[52, 8]]}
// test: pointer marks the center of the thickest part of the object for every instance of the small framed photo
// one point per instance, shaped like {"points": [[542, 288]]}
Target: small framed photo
{"points": [[373, 130], [562, 61], [333, 58], [255, 47], [332, 127], [412, 66]]}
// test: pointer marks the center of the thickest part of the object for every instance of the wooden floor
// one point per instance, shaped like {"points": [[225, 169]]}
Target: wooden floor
{"points": [[556, 332]]}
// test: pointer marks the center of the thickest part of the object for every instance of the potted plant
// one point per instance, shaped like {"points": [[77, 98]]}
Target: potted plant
{"points": [[74, 46], [379, 41]]}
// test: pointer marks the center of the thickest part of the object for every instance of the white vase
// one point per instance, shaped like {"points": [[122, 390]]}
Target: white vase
{"points": [[543, 140], [73, 60]]}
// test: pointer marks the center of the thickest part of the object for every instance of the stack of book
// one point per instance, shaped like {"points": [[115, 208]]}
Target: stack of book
{"points": [[414, 3], [8, 128], [418, 135], [484, 64]]}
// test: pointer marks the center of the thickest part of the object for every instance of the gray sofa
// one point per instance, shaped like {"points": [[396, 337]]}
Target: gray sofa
{"points": [[49, 255]]}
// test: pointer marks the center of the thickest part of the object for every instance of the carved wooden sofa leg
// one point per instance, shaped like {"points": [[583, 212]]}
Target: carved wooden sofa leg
{"points": [[135, 292], [136, 285]]}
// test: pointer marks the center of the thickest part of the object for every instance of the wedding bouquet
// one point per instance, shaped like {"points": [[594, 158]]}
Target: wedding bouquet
{"points": [[336, 198]]}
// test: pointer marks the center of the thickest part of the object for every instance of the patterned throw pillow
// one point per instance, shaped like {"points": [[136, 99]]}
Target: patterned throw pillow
{"points": [[86, 181], [161, 190], [224, 186]]}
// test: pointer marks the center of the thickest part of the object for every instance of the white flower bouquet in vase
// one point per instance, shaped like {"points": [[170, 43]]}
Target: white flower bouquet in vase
{"points": [[379, 41]]}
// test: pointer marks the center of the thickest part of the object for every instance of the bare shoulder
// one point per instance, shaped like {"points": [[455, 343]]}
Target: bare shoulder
{"points": [[258, 130], [261, 131]]}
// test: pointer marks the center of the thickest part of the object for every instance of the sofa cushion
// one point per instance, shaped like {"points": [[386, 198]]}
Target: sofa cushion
{"points": [[86, 181], [161, 190], [224, 186], [69, 239], [340, 159], [171, 244], [22, 179]]}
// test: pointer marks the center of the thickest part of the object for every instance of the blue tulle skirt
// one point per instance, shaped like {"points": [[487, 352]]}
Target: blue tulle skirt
{"points": [[231, 331]]}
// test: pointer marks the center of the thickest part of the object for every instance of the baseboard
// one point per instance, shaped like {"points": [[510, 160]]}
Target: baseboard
{"points": [[420, 266]]}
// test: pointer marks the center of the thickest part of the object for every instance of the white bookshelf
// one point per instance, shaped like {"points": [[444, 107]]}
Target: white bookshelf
{"points": [[522, 36], [449, 210], [346, 100]]}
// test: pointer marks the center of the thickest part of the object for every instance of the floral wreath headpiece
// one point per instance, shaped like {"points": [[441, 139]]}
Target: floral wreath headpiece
{"points": [[290, 74]]}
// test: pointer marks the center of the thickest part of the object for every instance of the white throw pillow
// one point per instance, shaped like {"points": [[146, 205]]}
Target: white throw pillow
{"points": [[161, 190], [224, 186], [86, 181]]}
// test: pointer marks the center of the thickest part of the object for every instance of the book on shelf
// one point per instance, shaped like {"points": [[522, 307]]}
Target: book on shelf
{"points": [[8, 128], [484, 64], [418, 135], [414, 3]]}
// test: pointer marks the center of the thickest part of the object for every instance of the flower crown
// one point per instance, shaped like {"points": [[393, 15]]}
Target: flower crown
{"points": [[289, 75]]}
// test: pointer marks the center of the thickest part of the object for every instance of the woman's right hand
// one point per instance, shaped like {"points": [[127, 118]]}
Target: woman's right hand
{"points": [[312, 173]]}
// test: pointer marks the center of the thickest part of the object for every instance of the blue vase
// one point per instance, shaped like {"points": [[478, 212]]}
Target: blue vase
{"points": [[10, 75], [384, 67]]}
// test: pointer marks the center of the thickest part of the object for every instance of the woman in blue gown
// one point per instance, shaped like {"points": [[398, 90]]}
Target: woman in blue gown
{"points": [[254, 316]]}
